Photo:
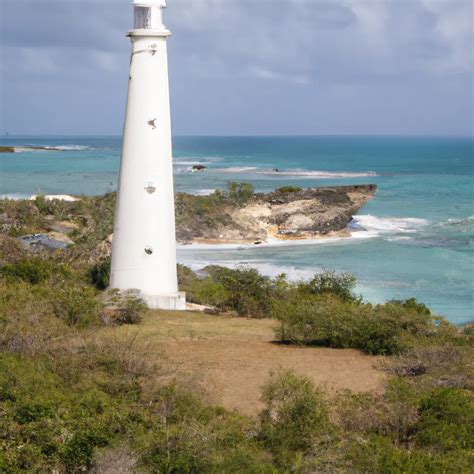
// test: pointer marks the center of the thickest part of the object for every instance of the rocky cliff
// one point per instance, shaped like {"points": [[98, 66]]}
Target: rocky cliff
{"points": [[293, 214]]}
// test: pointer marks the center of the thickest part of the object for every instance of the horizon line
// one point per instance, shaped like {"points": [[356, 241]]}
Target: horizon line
{"points": [[303, 135]]}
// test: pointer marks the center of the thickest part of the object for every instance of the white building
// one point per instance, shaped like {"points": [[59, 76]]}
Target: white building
{"points": [[144, 244]]}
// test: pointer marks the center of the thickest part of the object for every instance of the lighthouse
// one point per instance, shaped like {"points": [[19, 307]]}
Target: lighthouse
{"points": [[144, 242]]}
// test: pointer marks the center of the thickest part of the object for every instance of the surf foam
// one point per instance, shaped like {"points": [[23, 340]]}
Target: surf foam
{"points": [[384, 225]]}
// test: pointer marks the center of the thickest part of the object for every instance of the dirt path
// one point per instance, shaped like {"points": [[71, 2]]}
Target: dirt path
{"points": [[230, 358]]}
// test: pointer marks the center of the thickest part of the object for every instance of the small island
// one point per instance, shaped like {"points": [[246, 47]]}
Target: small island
{"points": [[16, 149]]}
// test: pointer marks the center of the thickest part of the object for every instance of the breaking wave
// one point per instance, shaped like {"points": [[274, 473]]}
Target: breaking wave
{"points": [[69, 147], [387, 225], [236, 169], [193, 160], [31, 148], [291, 173], [318, 174], [293, 273], [459, 224]]}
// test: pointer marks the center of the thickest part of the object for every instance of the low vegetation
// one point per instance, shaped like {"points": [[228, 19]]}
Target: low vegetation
{"points": [[288, 189], [321, 311], [76, 395], [7, 149]]}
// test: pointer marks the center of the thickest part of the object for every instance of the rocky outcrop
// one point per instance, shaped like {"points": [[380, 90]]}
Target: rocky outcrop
{"points": [[299, 214], [286, 214]]}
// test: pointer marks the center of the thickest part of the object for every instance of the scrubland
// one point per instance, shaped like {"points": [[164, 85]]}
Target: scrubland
{"points": [[281, 377]]}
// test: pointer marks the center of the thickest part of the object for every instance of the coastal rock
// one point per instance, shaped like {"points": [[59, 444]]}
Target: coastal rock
{"points": [[51, 241], [299, 214], [287, 214]]}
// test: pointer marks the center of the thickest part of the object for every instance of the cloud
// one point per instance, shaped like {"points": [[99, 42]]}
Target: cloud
{"points": [[267, 74], [300, 56]]}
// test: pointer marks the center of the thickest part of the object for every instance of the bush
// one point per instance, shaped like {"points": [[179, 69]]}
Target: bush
{"points": [[294, 417], [383, 329], [188, 437], [330, 283], [446, 420], [58, 425], [77, 306], [131, 311], [404, 430], [245, 290], [436, 365], [393, 413], [78, 451], [32, 270], [99, 274], [412, 304], [239, 193], [288, 189], [379, 455], [207, 291]]}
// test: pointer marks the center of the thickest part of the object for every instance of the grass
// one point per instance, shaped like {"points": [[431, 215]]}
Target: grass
{"points": [[282, 380]]}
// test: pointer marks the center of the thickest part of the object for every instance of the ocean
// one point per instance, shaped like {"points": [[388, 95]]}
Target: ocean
{"points": [[415, 238]]}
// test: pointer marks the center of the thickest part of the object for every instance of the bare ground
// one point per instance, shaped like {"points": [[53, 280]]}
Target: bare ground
{"points": [[230, 358]]}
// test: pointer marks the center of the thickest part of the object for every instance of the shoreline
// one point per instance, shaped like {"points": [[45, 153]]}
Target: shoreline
{"points": [[32, 197], [340, 236]]}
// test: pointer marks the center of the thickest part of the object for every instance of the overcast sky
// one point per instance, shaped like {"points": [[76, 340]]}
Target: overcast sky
{"points": [[245, 67]]}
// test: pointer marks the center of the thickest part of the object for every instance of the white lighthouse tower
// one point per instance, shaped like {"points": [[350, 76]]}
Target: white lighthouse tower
{"points": [[144, 243]]}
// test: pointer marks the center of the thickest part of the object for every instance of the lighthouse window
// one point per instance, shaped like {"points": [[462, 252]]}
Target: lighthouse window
{"points": [[142, 18]]}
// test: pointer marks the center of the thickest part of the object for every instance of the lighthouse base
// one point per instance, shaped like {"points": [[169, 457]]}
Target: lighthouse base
{"points": [[176, 301]]}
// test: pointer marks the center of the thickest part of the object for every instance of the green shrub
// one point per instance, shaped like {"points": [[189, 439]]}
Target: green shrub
{"points": [[32, 270], [76, 306], [99, 274], [378, 455], [32, 411], [245, 290], [185, 275], [413, 304], [7, 149], [330, 283], [468, 329], [393, 414], [60, 425], [239, 193], [382, 329], [190, 437], [288, 189], [446, 420], [130, 311], [294, 417], [207, 291], [78, 451]]}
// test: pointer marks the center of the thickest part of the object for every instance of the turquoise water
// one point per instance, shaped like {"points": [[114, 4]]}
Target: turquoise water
{"points": [[415, 238]]}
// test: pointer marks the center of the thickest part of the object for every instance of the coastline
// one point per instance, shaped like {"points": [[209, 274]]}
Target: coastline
{"points": [[396, 256], [230, 244]]}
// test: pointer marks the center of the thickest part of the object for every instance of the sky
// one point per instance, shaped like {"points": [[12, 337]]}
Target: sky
{"points": [[245, 67]]}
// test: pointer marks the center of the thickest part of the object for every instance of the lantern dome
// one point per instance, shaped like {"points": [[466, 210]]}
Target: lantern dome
{"points": [[148, 15], [150, 3]]}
